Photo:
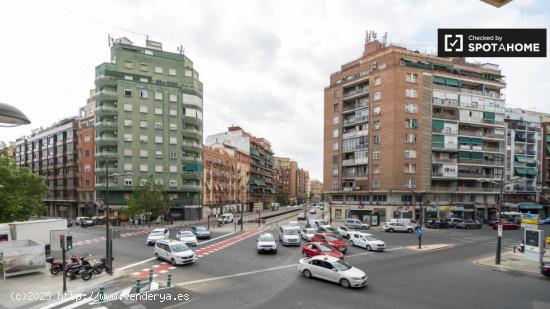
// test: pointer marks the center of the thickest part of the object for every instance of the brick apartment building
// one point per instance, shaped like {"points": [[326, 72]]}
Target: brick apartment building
{"points": [[291, 180], [86, 163]]}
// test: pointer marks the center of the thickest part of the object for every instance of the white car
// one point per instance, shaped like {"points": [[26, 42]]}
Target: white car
{"points": [[187, 237], [332, 269], [366, 241], [266, 242], [325, 228], [174, 252], [294, 224], [307, 233], [289, 236], [313, 211], [398, 227], [156, 235], [343, 231]]}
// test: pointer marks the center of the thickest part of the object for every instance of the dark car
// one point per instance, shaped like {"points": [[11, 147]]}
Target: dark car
{"points": [[200, 232], [69, 223], [436, 224], [468, 224], [301, 216]]}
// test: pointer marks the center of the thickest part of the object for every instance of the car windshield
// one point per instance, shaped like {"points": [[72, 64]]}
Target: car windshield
{"points": [[200, 229], [290, 232], [333, 237], [266, 237], [370, 238], [179, 248], [325, 248], [311, 231], [341, 265], [187, 234]]}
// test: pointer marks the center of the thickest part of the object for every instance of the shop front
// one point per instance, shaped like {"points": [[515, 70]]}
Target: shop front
{"points": [[367, 214], [531, 208], [469, 212], [451, 212]]}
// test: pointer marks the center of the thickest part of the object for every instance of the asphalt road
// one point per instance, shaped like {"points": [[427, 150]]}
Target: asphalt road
{"points": [[233, 275]]}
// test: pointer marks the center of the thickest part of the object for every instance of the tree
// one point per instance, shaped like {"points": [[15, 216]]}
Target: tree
{"points": [[282, 198], [148, 200], [21, 191]]}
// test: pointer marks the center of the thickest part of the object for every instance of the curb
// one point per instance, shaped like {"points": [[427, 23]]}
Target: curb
{"points": [[446, 246], [512, 271]]}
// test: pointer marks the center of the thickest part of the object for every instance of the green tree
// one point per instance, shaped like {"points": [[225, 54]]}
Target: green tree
{"points": [[282, 198], [21, 191], [148, 200]]}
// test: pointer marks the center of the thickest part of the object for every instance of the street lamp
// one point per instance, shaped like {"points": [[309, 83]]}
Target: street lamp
{"points": [[11, 116]]}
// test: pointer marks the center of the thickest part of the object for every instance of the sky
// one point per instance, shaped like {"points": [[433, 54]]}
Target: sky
{"points": [[264, 64]]}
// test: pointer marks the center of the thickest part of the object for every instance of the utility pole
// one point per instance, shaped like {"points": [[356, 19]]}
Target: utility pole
{"points": [[108, 245], [63, 253], [499, 224]]}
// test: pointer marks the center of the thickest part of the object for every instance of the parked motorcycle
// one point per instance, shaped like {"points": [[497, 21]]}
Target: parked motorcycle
{"points": [[57, 266], [75, 271]]}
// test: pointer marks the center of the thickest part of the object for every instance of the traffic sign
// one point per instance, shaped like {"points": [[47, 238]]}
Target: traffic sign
{"points": [[419, 232], [500, 230]]}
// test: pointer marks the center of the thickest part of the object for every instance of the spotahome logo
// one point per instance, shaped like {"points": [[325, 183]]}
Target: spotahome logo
{"points": [[491, 42]]}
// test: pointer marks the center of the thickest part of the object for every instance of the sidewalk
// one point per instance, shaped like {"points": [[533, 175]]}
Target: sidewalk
{"points": [[432, 247], [513, 263]]}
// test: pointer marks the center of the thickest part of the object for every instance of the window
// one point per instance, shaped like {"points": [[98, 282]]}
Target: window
{"points": [[158, 95], [376, 125], [127, 122], [143, 109], [144, 94], [376, 155], [128, 64], [143, 123], [127, 92], [376, 110], [411, 123], [173, 169], [172, 71], [173, 140], [335, 133], [335, 119], [143, 153], [411, 93], [128, 77], [377, 96], [335, 171], [158, 70], [410, 154], [127, 166], [188, 73], [173, 98], [410, 168], [86, 138], [377, 81], [173, 183], [158, 111], [410, 183], [173, 126], [143, 67], [158, 139], [158, 125], [143, 168], [335, 184], [173, 112], [159, 182], [87, 153], [173, 155], [127, 107], [128, 182], [411, 78], [127, 137], [142, 182], [158, 154], [376, 139], [411, 108], [127, 152], [376, 169], [158, 168], [143, 138], [376, 183], [336, 107], [87, 168], [87, 183], [336, 95], [410, 138], [335, 146]]}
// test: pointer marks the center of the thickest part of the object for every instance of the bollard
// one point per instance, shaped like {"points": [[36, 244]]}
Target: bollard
{"points": [[101, 294], [514, 248], [169, 283], [150, 275], [138, 286]]}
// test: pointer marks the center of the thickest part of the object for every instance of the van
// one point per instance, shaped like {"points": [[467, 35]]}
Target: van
{"points": [[226, 218], [288, 235], [355, 224], [174, 252], [316, 222], [404, 221]]}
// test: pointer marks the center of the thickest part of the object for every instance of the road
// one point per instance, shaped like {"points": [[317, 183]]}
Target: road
{"points": [[230, 274]]}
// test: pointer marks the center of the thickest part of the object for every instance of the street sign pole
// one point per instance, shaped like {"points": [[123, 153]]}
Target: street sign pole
{"points": [[62, 245]]}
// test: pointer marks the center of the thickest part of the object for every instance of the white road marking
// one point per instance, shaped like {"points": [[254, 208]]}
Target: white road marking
{"points": [[63, 301], [237, 275], [212, 239], [136, 264], [78, 303]]}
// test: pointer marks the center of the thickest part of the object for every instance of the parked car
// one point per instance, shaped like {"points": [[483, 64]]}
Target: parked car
{"points": [[468, 224], [156, 235], [453, 222], [545, 220], [69, 223], [356, 224], [545, 269], [506, 226], [332, 269], [307, 233], [327, 229], [174, 252], [313, 210], [366, 241], [266, 243], [288, 235], [301, 216], [201, 232], [84, 221], [343, 231], [436, 224], [317, 248], [226, 218], [398, 227], [187, 237], [331, 239]]}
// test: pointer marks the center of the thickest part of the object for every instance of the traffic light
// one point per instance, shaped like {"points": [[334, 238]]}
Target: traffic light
{"points": [[69, 242]]}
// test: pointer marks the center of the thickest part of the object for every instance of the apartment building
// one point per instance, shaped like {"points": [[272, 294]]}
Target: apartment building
{"points": [[403, 128], [86, 162], [545, 166], [282, 176], [302, 183], [149, 122], [52, 153], [261, 186], [316, 188], [225, 179], [291, 180]]}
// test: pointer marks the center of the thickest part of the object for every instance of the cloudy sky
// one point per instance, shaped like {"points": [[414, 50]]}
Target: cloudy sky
{"points": [[264, 64]]}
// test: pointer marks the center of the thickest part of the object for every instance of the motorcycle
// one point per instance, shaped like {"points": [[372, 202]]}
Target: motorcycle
{"points": [[75, 271], [57, 266]]}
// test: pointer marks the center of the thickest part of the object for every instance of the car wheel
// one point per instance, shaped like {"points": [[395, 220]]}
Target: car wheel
{"points": [[390, 230], [173, 262], [157, 256], [410, 230], [307, 273], [468, 227], [368, 248], [345, 283], [365, 228]]}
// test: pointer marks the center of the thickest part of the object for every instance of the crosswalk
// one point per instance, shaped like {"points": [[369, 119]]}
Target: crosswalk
{"points": [[102, 238]]}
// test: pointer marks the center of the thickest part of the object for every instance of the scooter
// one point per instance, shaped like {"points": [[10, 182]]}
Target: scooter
{"points": [[57, 266]]}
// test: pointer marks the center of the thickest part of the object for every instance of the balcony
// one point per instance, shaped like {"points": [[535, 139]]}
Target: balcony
{"points": [[106, 125], [191, 120], [477, 189], [192, 133], [104, 80], [444, 160], [106, 155], [491, 94], [191, 159], [106, 141], [355, 175], [362, 103], [445, 102], [481, 162], [350, 162], [191, 175], [191, 188], [444, 146], [445, 131], [355, 133], [441, 174], [524, 188], [191, 147], [446, 116], [105, 95], [355, 147], [481, 134], [359, 91], [354, 120], [105, 111], [477, 176]]}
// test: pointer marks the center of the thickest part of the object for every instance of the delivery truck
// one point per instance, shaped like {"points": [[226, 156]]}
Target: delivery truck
{"points": [[36, 230]]}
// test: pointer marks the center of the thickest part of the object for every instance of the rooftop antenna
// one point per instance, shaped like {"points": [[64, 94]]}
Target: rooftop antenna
{"points": [[181, 49], [110, 40]]}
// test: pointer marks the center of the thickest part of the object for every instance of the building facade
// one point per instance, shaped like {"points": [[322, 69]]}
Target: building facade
{"points": [[290, 180], [302, 183], [403, 128], [316, 188], [545, 172], [149, 124], [282, 178], [86, 162], [52, 153]]}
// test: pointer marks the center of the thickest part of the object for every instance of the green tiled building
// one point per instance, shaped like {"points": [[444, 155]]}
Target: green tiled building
{"points": [[148, 122]]}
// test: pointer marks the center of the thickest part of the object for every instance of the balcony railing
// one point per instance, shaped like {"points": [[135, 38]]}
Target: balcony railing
{"points": [[491, 94], [445, 102], [354, 106], [447, 116], [523, 188], [481, 162], [354, 175], [356, 91], [477, 189], [441, 174], [444, 131], [481, 134], [477, 175], [444, 160], [355, 133], [348, 162], [355, 147]]}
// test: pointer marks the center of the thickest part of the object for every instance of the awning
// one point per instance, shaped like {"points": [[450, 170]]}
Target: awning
{"points": [[476, 141], [439, 124], [464, 140], [439, 80], [464, 155], [531, 171], [548, 138], [520, 170], [530, 206], [451, 82], [438, 139], [477, 155], [548, 148], [520, 158], [446, 66]]}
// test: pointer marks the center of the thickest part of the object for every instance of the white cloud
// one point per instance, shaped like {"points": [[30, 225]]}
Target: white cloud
{"points": [[264, 64]]}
